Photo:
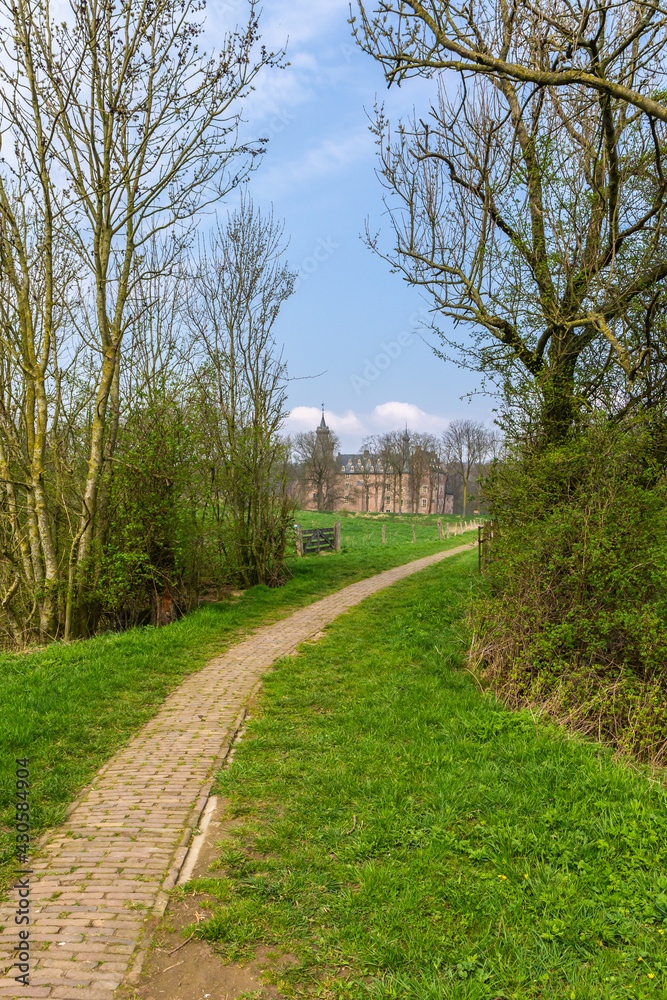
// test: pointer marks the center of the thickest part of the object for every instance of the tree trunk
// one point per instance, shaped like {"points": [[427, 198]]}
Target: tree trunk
{"points": [[90, 497], [559, 409]]}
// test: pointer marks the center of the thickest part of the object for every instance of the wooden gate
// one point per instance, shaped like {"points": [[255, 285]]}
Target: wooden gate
{"points": [[310, 540]]}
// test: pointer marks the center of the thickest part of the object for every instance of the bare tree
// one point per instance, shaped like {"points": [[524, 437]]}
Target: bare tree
{"points": [[319, 473], [423, 466], [233, 301], [534, 215], [379, 447], [608, 48], [467, 445], [396, 450], [403, 467]]}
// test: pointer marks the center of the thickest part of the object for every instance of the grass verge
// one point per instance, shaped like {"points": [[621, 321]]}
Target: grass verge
{"points": [[405, 836], [70, 707]]}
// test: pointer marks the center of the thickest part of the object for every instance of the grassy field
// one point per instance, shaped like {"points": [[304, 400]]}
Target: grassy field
{"points": [[70, 707], [364, 531], [404, 836]]}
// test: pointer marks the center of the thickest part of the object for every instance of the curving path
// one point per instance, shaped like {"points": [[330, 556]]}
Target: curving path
{"points": [[103, 878]]}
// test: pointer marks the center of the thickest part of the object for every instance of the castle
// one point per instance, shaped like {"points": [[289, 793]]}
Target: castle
{"points": [[398, 479]]}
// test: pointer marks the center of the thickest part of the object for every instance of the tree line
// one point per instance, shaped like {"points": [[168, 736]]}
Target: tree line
{"points": [[141, 392]]}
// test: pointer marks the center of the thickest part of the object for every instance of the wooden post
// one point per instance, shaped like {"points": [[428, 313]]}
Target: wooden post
{"points": [[414, 537], [440, 534], [298, 539], [479, 550], [384, 528], [447, 526], [337, 536]]}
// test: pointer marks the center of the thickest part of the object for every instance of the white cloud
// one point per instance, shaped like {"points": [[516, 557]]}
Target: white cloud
{"points": [[301, 20], [331, 156], [307, 418], [390, 416], [352, 426], [300, 26]]}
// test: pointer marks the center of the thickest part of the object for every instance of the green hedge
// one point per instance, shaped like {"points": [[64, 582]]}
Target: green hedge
{"points": [[574, 620]]}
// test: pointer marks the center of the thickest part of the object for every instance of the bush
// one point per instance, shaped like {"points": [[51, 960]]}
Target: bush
{"points": [[574, 620]]}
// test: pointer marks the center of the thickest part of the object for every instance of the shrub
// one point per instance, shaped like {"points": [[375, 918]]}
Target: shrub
{"points": [[574, 620]]}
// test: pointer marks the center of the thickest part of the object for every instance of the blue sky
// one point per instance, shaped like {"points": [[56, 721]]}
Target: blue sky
{"points": [[350, 318]]}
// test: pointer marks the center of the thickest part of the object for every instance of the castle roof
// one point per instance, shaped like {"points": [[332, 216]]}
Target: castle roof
{"points": [[351, 462]]}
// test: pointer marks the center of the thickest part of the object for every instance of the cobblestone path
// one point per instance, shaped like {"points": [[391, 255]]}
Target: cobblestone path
{"points": [[102, 881]]}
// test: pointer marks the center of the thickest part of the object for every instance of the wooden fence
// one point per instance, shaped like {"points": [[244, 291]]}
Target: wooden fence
{"points": [[448, 531], [486, 534], [310, 540]]}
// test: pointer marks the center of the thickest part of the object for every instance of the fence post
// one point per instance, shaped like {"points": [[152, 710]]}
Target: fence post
{"points": [[440, 534], [337, 536], [479, 549], [299, 539], [447, 527], [384, 528], [414, 537]]}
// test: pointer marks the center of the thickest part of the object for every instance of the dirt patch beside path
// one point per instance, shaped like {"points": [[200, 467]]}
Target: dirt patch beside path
{"points": [[174, 970]]}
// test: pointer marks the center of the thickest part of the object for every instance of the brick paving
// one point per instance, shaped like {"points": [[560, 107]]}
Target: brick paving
{"points": [[102, 879]]}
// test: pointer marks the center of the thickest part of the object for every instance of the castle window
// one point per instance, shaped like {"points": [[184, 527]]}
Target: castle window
{"points": [[424, 489], [424, 502]]}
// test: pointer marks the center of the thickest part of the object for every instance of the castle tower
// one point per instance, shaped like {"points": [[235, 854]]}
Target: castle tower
{"points": [[324, 438]]}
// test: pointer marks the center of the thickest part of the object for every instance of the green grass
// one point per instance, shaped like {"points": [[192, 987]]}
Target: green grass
{"points": [[405, 836], [70, 707], [364, 531]]}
